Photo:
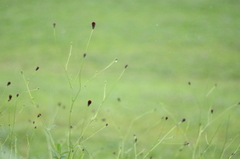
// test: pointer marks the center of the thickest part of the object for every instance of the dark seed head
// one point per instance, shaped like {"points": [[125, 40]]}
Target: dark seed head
{"points": [[17, 95], [37, 68], [8, 83], [126, 66], [135, 140], [166, 118], [106, 124], [89, 102], [39, 115], [189, 83], [119, 99], [93, 25], [212, 110], [183, 120], [84, 55], [54, 25], [9, 97]]}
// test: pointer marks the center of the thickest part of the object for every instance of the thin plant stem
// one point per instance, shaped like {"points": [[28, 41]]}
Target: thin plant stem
{"points": [[119, 152], [163, 138], [225, 141], [89, 40], [15, 146], [28, 90], [106, 95], [134, 120], [66, 66], [209, 123], [104, 98], [197, 142], [211, 90], [49, 145], [74, 99], [209, 142], [94, 134], [29, 142], [135, 146], [234, 153], [80, 73]]}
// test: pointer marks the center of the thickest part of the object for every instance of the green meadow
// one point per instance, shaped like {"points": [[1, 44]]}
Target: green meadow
{"points": [[160, 79]]}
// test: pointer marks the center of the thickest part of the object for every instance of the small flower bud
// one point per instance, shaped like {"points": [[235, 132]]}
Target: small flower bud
{"points": [[135, 140], [9, 97], [93, 25], [54, 25], [37, 68], [106, 124], [89, 102], [8, 83], [17, 95], [84, 55], [126, 66], [212, 110], [166, 118], [189, 83], [183, 120], [39, 115]]}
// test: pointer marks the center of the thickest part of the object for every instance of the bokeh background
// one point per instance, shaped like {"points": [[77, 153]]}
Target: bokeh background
{"points": [[177, 52]]}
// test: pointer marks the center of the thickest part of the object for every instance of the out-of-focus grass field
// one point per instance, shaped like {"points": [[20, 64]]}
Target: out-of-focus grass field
{"points": [[166, 43]]}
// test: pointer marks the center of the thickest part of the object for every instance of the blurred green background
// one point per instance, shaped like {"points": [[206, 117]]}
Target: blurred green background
{"points": [[166, 43]]}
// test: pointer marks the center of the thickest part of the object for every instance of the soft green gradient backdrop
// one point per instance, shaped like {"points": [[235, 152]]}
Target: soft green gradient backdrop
{"points": [[166, 44]]}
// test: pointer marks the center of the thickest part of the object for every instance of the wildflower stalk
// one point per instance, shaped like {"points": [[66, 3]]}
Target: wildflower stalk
{"points": [[79, 90]]}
